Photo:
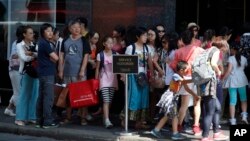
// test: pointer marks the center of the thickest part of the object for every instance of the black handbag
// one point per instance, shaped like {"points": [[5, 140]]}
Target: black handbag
{"points": [[142, 79]]}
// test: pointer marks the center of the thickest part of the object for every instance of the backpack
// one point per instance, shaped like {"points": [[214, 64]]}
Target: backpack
{"points": [[202, 70], [102, 59]]}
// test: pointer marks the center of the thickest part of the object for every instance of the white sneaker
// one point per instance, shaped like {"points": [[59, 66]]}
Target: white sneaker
{"points": [[89, 117], [232, 121], [108, 124], [244, 117], [9, 112]]}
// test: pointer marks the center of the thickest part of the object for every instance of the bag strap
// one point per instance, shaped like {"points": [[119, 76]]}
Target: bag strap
{"points": [[191, 53]]}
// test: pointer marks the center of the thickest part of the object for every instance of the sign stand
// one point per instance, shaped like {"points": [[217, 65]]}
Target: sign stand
{"points": [[126, 64], [126, 133]]}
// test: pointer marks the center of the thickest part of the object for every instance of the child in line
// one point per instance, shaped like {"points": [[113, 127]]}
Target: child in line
{"points": [[169, 100], [108, 80]]}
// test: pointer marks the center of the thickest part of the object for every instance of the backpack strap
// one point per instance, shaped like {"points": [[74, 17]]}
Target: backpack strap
{"points": [[133, 48], [102, 60]]}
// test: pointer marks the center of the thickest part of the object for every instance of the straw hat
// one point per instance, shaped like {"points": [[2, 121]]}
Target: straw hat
{"points": [[192, 24]]}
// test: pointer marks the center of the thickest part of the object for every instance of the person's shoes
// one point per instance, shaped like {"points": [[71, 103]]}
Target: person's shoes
{"points": [[196, 130], [108, 124], [89, 117], [52, 125], [66, 121], [220, 136], [232, 121], [211, 127], [206, 139], [157, 134], [32, 121], [244, 117], [9, 112], [178, 136], [19, 123], [83, 121]]}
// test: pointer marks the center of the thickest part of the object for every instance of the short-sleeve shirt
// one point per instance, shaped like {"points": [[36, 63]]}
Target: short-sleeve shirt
{"points": [[107, 77], [45, 66], [174, 83], [142, 65], [74, 52], [237, 77]]}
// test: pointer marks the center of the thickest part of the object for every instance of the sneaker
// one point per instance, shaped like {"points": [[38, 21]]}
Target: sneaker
{"points": [[196, 130], [108, 124], [19, 123], [244, 117], [66, 121], [84, 122], [89, 118], [178, 136], [157, 134], [206, 139], [232, 121], [52, 125], [220, 136], [9, 112]]}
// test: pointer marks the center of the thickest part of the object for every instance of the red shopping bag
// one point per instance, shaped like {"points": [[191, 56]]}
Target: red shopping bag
{"points": [[83, 94]]}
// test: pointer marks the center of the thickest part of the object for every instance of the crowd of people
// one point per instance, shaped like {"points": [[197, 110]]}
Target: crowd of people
{"points": [[163, 89]]}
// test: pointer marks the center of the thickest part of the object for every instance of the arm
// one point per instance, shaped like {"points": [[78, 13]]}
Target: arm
{"points": [[156, 65], [214, 62], [61, 65], [53, 57], [229, 69], [84, 65], [150, 65], [21, 54], [97, 70]]}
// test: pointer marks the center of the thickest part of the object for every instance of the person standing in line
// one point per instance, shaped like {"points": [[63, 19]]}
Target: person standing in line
{"points": [[47, 59], [211, 104], [108, 80], [73, 62], [138, 95], [15, 77], [235, 80], [25, 110]]}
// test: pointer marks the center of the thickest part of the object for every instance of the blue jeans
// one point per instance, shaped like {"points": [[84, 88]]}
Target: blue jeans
{"points": [[212, 110], [219, 91], [45, 100]]}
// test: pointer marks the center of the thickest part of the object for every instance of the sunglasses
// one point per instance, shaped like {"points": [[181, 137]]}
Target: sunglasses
{"points": [[160, 31]]}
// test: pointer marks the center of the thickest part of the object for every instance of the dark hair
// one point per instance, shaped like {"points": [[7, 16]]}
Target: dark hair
{"points": [[157, 38], [83, 20], [173, 41], [19, 31], [92, 33], [236, 47], [140, 31], [181, 65], [187, 36], [44, 27], [207, 37], [55, 30], [104, 39], [225, 31], [120, 29], [23, 30]]}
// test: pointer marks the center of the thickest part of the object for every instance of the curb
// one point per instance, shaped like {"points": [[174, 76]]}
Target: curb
{"points": [[62, 133]]}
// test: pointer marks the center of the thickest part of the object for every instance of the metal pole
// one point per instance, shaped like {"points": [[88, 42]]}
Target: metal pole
{"points": [[126, 103]]}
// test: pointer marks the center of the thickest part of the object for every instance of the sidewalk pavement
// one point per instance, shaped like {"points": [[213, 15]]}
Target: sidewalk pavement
{"points": [[94, 131]]}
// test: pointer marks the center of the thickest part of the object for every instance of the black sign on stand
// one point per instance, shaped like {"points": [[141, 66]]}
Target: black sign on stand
{"points": [[126, 64]]}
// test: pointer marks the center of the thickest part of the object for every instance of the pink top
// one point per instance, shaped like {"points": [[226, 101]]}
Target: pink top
{"points": [[187, 53], [107, 77]]}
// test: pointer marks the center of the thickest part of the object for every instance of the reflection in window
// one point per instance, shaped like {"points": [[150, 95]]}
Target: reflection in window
{"points": [[38, 10]]}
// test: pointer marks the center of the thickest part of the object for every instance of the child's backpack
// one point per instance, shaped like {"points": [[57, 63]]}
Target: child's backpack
{"points": [[202, 70], [102, 58]]}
